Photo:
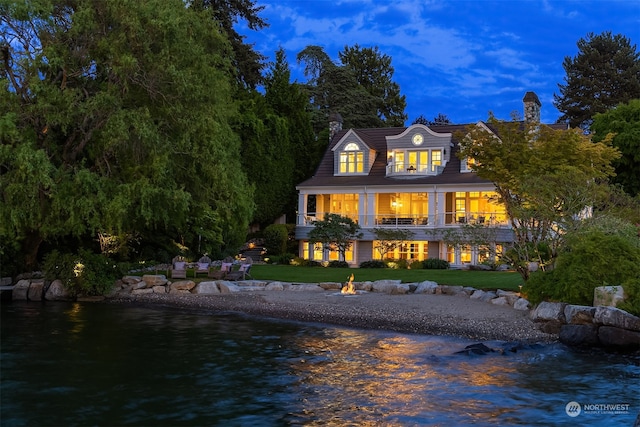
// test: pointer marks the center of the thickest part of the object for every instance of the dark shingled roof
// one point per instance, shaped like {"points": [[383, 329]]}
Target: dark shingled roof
{"points": [[375, 139]]}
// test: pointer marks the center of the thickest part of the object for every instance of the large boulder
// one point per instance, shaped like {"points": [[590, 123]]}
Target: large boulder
{"points": [[453, 290], [36, 290], [227, 287], [579, 314], [608, 296], [274, 286], [152, 280], [511, 296], [181, 286], [579, 335], [330, 286], [57, 292], [208, 287], [611, 316], [500, 301], [20, 290], [393, 287], [426, 287], [549, 311], [610, 336], [522, 304]]}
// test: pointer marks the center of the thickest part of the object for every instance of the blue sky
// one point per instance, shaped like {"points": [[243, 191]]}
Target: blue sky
{"points": [[460, 58]]}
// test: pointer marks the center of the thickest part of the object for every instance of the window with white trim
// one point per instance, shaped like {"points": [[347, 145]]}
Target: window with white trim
{"points": [[351, 159]]}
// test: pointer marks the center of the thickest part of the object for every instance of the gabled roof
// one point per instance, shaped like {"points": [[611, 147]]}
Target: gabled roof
{"points": [[375, 138]]}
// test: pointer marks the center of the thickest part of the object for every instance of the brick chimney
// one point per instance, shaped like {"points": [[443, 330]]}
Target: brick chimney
{"points": [[335, 124], [531, 107]]}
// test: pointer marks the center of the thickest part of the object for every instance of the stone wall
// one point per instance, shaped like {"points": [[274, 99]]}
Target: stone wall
{"points": [[575, 325], [579, 325]]}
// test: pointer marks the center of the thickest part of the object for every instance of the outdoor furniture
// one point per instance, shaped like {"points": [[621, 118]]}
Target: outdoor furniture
{"points": [[178, 268], [242, 272], [202, 266], [225, 269]]}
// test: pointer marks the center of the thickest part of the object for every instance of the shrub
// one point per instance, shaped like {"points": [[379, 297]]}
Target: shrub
{"points": [[435, 264], [373, 264], [301, 262], [416, 265], [84, 273], [589, 260], [338, 264], [632, 292], [275, 239], [284, 259], [311, 263]]}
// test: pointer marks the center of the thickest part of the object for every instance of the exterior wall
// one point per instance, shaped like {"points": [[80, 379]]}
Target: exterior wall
{"points": [[364, 251], [374, 205]]}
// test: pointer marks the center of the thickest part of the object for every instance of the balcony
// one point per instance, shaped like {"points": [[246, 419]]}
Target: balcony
{"points": [[406, 170], [447, 219]]}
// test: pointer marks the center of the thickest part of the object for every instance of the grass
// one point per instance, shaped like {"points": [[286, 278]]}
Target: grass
{"points": [[506, 280]]}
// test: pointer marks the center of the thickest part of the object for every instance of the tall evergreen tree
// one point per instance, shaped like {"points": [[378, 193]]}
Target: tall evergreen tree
{"points": [[336, 89], [373, 71], [288, 100], [604, 73], [109, 124], [248, 63]]}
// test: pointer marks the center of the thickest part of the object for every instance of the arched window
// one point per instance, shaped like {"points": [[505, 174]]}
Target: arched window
{"points": [[351, 159]]}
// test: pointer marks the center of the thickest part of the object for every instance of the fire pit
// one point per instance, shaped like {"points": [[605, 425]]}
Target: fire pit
{"points": [[349, 288]]}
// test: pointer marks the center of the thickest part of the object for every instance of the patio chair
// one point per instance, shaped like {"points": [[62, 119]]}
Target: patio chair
{"points": [[225, 268], [242, 272], [178, 268], [202, 266]]}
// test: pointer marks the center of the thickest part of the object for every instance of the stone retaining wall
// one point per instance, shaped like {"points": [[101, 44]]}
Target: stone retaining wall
{"points": [[579, 325], [574, 325]]}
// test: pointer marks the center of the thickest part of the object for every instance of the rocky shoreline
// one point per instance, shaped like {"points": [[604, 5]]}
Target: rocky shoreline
{"points": [[427, 314]]}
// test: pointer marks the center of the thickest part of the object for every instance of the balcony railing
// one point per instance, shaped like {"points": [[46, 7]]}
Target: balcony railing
{"points": [[447, 219], [410, 169]]}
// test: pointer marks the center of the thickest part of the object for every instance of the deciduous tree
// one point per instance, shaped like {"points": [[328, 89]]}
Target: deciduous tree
{"points": [[335, 231], [547, 179], [110, 124], [623, 122], [390, 239]]}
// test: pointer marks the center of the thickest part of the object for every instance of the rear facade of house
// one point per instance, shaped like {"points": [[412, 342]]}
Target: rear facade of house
{"points": [[406, 178]]}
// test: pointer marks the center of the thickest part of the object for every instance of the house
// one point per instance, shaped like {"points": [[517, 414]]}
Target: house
{"points": [[404, 178]]}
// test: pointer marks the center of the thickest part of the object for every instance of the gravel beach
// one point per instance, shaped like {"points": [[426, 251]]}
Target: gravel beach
{"points": [[426, 314]]}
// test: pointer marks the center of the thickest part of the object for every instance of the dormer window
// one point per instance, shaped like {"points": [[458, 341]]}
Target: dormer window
{"points": [[466, 165], [351, 159]]}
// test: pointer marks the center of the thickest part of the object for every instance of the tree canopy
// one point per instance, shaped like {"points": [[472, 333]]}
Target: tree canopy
{"points": [[335, 232], [361, 90], [604, 73], [109, 124], [623, 122], [547, 179], [248, 64]]}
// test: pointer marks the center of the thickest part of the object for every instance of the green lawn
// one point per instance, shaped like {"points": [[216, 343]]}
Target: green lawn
{"points": [[506, 280]]}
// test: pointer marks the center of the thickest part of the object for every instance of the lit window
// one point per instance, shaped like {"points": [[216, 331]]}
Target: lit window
{"points": [[436, 160], [351, 159]]}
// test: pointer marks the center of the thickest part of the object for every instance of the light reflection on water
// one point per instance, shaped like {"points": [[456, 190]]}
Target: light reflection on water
{"points": [[91, 364]]}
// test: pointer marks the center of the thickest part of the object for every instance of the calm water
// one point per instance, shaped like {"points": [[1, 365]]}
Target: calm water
{"points": [[75, 364]]}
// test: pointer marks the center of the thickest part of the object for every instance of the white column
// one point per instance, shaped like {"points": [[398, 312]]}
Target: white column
{"points": [[442, 208], [362, 209], [302, 208], [431, 207]]}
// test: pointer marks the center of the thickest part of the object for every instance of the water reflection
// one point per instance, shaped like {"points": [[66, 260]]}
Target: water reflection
{"points": [[75, 364]]}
